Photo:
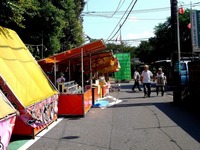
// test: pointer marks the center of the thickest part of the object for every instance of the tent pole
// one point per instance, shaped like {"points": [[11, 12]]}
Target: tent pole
{"points": [[90, 70], [82, 70], [69, 71], [54, 71]]}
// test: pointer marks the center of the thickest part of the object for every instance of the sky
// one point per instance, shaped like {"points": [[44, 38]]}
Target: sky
{"points": [[103, 18]]}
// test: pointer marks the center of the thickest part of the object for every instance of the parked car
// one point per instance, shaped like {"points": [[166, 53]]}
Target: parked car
{"points": [[166, 65], [184, 72]]}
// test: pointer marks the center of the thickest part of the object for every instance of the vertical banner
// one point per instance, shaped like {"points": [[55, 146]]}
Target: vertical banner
{"points": [[195, 30]]}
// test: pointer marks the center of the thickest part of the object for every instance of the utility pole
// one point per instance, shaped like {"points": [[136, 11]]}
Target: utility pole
{"points": [[176, 53]]}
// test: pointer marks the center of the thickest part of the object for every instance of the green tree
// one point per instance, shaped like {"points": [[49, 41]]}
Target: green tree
{"points": [[73, 30], [161, 45], [162, 42], [185, 34], [55, 25], [12, 12], [122, 48], [145, 51]]}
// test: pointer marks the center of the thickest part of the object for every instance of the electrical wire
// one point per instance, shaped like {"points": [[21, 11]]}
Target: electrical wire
{"points": [[106, 13], [111, 14], [123, 21], [137, 18], [119, 22], [118, 7], [139, 39], [116, 12]]}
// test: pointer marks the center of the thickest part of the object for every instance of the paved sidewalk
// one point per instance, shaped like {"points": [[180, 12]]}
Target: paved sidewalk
{"points": [[129, 122]]}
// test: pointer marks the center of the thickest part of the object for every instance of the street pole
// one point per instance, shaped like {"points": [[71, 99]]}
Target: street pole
{"points": [[176, 52], [178, 40]]}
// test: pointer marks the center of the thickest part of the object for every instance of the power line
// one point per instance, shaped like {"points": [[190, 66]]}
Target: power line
{"points": [[111, 14], [107, 13], [137, 18], [129, 40], [118, 7], [123, 21]]}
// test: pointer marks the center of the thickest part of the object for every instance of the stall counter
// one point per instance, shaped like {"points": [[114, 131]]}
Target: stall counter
{"points": [[74, 104]]}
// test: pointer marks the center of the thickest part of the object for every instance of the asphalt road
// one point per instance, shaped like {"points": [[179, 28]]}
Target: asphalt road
{"points": [[130, 122]]}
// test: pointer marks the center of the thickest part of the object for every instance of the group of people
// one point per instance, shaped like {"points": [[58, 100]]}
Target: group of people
{"points": [[145, 78]]}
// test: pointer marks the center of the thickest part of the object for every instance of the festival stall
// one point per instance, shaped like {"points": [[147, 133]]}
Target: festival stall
{"points": [[102, 63], [26, 86], [105, 64], [7, 121], [75, 99]]}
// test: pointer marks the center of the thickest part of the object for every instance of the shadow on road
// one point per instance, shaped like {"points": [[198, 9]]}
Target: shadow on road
{"points": [[185, 115]]}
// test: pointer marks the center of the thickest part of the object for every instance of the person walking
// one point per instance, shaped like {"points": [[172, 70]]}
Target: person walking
{"points": [[136, 78], [160, 81], [146, 77]]}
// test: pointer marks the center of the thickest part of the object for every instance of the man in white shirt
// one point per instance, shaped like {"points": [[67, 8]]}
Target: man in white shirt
{"points": [[146, 77], [136, 78]]}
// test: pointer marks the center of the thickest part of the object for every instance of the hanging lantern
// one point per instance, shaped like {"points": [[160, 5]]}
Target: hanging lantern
{"points": [[189, 25], [38, 51], [181, 10]]}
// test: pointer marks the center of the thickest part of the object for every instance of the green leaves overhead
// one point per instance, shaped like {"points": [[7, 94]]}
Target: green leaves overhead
{"points": [[161, 45], [55, 24]]}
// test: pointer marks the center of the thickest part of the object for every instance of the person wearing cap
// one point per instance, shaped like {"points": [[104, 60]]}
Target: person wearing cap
{"points": [[146, 77], [160, 81]]}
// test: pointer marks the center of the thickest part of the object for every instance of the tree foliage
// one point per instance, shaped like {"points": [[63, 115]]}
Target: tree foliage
{"points": [[12, 12], [145, 50], [161, 45], [122, 48], [57, 26], [43, 24]]}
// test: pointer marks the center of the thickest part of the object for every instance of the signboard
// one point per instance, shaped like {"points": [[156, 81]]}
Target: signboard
{"points": [[125, 71], [195, 30]]}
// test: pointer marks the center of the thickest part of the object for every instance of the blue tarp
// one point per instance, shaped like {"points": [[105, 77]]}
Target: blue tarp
{"points": [[101, 103]]}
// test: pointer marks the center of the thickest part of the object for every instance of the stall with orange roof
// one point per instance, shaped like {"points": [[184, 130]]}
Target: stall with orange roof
{"points": [[105, 64], [75, 99], [79, 65]]}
